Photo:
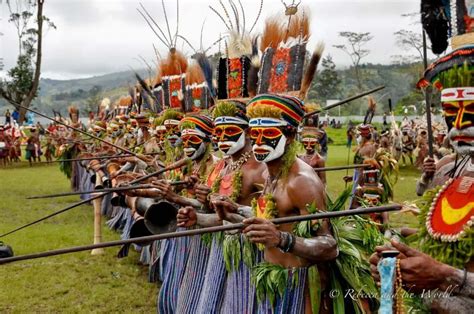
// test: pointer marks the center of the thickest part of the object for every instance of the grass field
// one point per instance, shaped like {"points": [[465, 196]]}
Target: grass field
{"points": [[80, 282]]}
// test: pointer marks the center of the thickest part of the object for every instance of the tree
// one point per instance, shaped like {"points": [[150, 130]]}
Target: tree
{"points": [[95, 96], [21, 86], [410, 40], [327, 84], [355, 50]]}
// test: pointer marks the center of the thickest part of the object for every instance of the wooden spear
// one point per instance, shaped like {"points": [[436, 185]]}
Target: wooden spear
{"points": [[192, 232]]}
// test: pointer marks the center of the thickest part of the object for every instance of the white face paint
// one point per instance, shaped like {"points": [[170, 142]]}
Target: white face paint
{"points": [[358, 139], [229, 148], [266, 153], [193, 153], [462, 140]]}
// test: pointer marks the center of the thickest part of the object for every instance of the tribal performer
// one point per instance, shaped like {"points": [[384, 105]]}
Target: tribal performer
{"points": [[373, 185], [234, 180], [309, 137], [273, 124], [184, 260], [443, 257]]}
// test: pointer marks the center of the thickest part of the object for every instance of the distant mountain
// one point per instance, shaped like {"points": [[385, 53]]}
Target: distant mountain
{"points": [[86, 93], [110, 81]]}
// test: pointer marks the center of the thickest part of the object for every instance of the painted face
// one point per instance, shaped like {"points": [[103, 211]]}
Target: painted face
{"points": [[268, 143], [310, 144], [173, 134], [160, 135], [193, 146], [230, 138], [458, 112]]}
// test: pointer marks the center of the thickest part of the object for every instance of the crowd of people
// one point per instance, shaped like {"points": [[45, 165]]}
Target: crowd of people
{"points": [[248, 150]]}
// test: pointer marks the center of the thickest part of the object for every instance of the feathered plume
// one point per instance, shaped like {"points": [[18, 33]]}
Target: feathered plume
{"points": [[298, 27], [132, 93], [206, 68], [174, 64], [194, 75], [252, 79], [311, 70], [145, 88], [370, 111], [239, 45], [272, 33]]}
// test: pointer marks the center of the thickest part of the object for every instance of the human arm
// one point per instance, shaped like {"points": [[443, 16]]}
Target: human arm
{"points": [[421, 272], [321, 247], [188, 217]]}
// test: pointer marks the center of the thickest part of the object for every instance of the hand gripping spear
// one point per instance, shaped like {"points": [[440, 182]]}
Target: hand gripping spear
{"points": [[175, 165], [237, 226]]}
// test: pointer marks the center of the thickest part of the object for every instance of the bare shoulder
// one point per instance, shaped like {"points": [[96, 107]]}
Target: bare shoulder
{"points": [[303, 180]]}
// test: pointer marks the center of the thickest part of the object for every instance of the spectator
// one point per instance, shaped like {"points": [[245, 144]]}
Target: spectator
{"points": [[30, 150], [8, 117], [323, 142], [16, 115], [350, 134]]}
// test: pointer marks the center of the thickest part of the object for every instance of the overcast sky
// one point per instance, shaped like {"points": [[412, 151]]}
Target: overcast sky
{"points": [[95, 37]]}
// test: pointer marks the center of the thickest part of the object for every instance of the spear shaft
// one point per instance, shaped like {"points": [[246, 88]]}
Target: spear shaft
{"points": [[175, 165], [344, 101], [117, 189], [342, 167], [237, 226]]}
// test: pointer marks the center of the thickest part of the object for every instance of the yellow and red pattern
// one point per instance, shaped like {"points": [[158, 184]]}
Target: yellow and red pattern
{"points": [[282, 106], [234, 78], [198, 122], [452, 209], [279, 74], [261, 208]]}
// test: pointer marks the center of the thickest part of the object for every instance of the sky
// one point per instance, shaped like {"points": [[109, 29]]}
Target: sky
{"points": [[95, 37]]}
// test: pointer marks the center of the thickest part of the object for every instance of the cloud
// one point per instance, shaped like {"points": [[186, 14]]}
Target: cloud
{"points": [[101, 36]]}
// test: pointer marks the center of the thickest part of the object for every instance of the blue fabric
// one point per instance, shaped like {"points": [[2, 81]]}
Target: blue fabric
{"points": [[193, 279], [293, 299], [154, 266], [386, 268], [239, 295], [212, 295], [174, 256]]}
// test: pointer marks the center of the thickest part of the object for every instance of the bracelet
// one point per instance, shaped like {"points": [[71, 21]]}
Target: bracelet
{"points": [[292, 242], [287, 242], [283, 240]]}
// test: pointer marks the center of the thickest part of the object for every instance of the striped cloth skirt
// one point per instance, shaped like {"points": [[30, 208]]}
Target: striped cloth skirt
{"points": [[212, 294], [239, 295], [174, 256], [293, 299], [193, 279]]}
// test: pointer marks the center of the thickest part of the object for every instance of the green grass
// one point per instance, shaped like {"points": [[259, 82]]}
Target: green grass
{"points": [[68, 283], [80, 282], [404, 189]]}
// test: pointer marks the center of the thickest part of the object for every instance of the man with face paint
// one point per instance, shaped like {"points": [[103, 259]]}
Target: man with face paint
{"points": [[310, 139], [232, 183], [291, 185], [443, 260], [183, 275]]}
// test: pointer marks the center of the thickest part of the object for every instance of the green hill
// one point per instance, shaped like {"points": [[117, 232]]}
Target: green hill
{"points": [[399, 81]]}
